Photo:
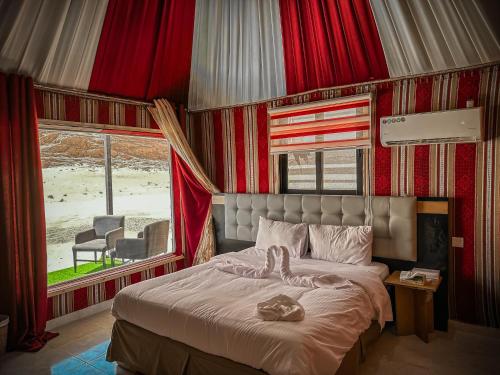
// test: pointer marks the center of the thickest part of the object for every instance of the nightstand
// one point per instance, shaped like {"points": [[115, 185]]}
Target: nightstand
{"points": [[414, 306]]}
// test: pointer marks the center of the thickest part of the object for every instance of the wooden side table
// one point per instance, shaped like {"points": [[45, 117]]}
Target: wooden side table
{"points": [[414, 306]]}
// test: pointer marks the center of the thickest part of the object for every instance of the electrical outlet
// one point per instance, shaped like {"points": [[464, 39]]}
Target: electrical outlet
{"points": [[457, 242]]}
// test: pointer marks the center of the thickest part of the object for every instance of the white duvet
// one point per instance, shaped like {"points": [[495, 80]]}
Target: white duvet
{"points": [[214, 311]]}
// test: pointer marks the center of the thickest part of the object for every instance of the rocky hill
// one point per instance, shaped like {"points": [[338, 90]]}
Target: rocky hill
{"points": [[87, 149]]}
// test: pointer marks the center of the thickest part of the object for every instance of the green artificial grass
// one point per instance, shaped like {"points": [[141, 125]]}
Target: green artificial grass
{"points": [[82, 269]]}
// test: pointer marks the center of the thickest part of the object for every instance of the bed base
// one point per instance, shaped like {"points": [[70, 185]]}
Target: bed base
{"points": [[145, 352]]}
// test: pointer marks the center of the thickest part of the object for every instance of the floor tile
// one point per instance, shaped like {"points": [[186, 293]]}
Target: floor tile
{"points": [[94, 352], [70, 365], [108, 368]]}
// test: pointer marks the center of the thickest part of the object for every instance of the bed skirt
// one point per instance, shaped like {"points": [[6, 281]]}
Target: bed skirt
{"points": [[145, 352]]}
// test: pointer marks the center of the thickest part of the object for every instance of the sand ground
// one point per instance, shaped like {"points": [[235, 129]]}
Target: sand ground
{"points": [[74, 195]]}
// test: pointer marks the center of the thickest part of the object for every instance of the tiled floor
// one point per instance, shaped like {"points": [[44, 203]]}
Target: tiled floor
{"points": [[79, 349], [465, 349]]}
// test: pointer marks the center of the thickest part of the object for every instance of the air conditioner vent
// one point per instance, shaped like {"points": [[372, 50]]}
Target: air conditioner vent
{"points": [[456, 126]]}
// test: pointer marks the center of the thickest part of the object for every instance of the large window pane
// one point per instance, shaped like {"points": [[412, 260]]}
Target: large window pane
{"points": [[74, 189], [302, 171], [339, 170], [87, 175], [140, 182]]}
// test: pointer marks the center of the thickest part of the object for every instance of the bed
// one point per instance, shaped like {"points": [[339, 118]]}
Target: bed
{"points": [[202, 320]]}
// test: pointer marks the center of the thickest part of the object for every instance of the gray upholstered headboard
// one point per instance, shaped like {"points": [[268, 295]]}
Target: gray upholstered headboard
{"points": [[394, 218]]}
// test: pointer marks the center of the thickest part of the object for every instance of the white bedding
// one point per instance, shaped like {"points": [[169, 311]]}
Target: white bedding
{"points": [[214, 311], [380, 269]]}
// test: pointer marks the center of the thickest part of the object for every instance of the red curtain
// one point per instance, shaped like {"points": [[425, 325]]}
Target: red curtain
{"points": [[329, 43], [145, 50], [193, 204], [23, 253]]}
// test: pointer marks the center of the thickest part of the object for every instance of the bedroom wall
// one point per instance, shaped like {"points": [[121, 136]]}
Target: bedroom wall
{"points": [[232, 144]]}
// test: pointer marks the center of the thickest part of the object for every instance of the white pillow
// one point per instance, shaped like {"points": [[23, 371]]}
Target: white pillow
{"points": [[341, 244], [293, 236]]}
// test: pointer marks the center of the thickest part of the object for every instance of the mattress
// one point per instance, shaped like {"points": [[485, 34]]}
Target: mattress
{"points": [[381, 269], [214, 311]]}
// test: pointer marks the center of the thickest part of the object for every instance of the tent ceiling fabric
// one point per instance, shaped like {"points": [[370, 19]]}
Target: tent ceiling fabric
{"points": [[145, 50], [212, 53], [432, 35], [330, 43], [237, 53], [55, 42]]}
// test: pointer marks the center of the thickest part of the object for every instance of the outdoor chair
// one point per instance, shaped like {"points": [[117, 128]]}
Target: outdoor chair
{"points": [[101, 238], [152, 241]]}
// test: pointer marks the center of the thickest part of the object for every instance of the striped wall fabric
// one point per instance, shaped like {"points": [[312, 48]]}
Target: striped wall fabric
{"points": [[235, 146], [60, 304], [232, 145], [58, 106], [325, 125], [207, 54]]}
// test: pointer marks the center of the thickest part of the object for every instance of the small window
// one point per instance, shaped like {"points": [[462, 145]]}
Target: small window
{"points": [[327, 172]]}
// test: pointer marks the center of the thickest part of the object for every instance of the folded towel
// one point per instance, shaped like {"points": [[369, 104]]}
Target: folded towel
{"points": [[249, 271], [307, 281], [280, 307]]}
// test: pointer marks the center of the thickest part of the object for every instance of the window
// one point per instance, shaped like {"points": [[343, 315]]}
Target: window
{"points": [[327, 172], [319, 144], [86, 175]]}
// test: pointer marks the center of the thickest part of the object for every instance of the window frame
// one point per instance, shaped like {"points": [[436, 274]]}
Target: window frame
{"points": [[283, 169], [110, 273]]}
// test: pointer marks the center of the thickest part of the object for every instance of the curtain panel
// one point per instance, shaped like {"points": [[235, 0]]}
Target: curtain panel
{"points": [[237, 53], [193, 189], [23, 269], [329, 43]]}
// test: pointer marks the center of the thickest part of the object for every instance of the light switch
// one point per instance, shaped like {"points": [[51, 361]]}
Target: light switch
{"points": [[457, 242]]}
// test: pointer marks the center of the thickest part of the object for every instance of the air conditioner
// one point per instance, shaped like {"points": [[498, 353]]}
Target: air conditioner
{"points": [[456, 126]]}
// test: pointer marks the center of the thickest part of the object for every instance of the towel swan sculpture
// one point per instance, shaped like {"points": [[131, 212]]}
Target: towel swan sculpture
{"points": [[305, 281]]}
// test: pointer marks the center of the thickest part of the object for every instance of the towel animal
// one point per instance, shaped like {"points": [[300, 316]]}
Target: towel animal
{"points": [[281, 307], [306, 281]]}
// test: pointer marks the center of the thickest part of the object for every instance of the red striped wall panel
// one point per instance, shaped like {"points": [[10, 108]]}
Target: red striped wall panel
{"points": [[53, 105], [71, 301]]}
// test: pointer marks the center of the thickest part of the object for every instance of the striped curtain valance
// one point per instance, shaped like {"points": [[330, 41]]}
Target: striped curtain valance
{"points": [[324, 125]]}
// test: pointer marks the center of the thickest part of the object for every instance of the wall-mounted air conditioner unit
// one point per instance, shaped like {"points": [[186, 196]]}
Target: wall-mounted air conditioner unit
{"points": [[456, 126]]}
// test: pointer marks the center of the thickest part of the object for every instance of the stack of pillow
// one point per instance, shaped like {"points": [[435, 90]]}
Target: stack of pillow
{"points": [[336, 243]]}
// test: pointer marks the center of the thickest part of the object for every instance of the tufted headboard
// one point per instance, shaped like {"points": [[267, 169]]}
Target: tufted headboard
{"points": [[394, 218]]}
